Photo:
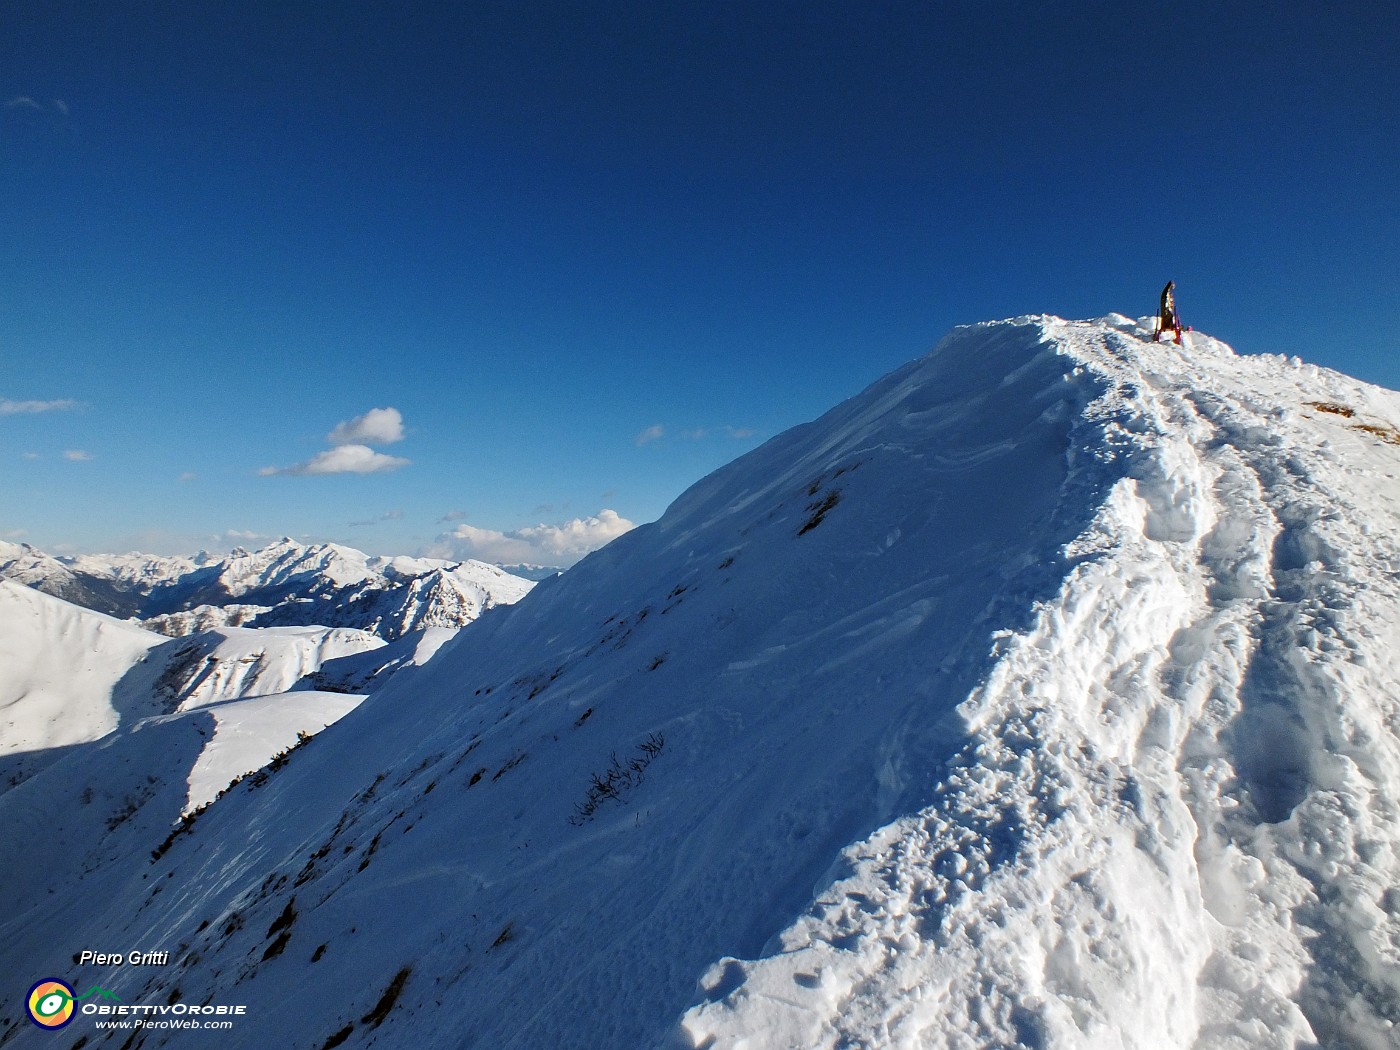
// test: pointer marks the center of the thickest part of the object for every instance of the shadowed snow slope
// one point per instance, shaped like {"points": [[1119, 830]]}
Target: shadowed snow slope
{"points": [[1043, 694]]}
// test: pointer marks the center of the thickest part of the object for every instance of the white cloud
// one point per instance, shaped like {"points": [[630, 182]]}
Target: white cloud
{"points": [[345, 459], [378, 426], [388, 515], [57, 107], [657, 431], [352, 454], [77, 455], [560, 544], [16, 408]]}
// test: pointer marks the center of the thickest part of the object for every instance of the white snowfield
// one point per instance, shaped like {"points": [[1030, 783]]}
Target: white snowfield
{"points": [[66, 673], [248, 732], [1174, 821], [245, 679], [1042, 695]]}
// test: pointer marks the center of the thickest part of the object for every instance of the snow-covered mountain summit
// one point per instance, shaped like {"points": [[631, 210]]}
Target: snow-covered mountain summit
{"points": [[335, 586], [1043, 694], [22, 563]]}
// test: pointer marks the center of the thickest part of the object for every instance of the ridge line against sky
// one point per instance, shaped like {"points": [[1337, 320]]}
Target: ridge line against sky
{"points": [[585, 255]]}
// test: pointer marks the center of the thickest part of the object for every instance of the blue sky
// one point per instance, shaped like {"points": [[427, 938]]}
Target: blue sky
{"points": [[588, 252]]}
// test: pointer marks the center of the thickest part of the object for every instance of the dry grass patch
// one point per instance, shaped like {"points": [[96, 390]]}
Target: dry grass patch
{"points": [[1333, 407], [1385, 433]]}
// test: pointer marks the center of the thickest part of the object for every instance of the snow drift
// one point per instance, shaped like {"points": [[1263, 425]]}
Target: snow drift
{"points": [[1043, 694]]}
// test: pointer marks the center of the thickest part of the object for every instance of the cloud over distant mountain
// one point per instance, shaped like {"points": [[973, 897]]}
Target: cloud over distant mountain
{"points": [[558, 544]]}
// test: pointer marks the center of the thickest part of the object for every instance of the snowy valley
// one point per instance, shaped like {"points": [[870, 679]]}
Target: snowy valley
{"points": [[1041, 695]]}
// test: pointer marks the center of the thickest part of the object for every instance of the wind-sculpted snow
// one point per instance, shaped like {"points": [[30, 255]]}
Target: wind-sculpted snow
{"points": [[1042, 695]]}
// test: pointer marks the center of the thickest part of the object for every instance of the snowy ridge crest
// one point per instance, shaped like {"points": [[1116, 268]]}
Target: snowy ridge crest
{"points": [[1165, 772], [1042, 694]]}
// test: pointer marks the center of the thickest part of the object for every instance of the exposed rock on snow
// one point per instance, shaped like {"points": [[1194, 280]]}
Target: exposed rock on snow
{"points": [[235, 662], [203, 618]]}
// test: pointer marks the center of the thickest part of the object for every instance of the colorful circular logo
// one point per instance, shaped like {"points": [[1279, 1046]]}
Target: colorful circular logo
{"points": [[51, 1003]]}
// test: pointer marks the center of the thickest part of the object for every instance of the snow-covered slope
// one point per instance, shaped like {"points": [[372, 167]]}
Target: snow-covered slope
{"points": [[362, 672], [70, 676], [67, 675], [1042, 695], [248, 732], [234, 662]]}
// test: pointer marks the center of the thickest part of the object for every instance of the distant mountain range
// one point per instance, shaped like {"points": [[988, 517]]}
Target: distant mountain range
{"points": [[285, 584]]}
